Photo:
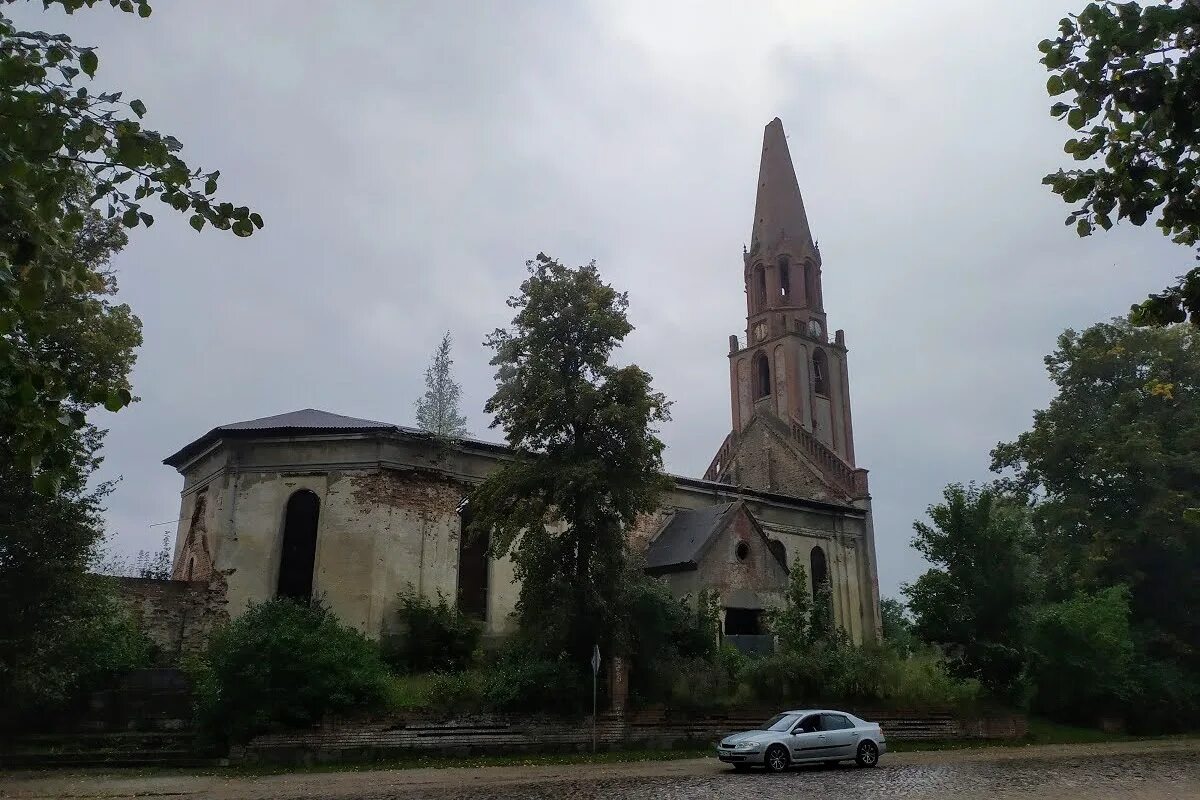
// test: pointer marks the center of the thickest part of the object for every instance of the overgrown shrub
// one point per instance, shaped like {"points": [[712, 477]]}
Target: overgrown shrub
{"points": [[519, 681], [92, 642], [1081, 655], [433, 636], [285, 663], [666, 636]]}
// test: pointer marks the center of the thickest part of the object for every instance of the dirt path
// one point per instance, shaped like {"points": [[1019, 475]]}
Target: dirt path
{"points": [[501, 781]]}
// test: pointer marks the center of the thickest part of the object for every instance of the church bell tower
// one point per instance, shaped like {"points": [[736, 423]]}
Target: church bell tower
{"points": [[787, 367]]}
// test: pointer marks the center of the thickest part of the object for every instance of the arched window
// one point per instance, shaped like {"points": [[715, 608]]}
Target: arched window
{"points": [[762, 376], [760, 287], [811, 288], [299, 546], [820, 364], [819, 569], [472, 569], [785, 277]]}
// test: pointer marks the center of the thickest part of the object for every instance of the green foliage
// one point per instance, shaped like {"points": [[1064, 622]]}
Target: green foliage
{"points": [[156, 564], [1114, 464], [1081, 655], [971, 602], [67, 151], [833, 673], [437, 410], [284, 663], [1126, 82], [62, 631], [897, 626], [586, 460], [791, 621], [433, 637], [665, 635]]}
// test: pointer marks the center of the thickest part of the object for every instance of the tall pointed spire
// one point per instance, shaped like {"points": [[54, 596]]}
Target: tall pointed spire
{"points": [[778, 209]]}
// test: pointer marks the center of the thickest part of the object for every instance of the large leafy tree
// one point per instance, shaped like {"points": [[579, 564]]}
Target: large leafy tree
{"points": [[971, 602], [67, 148], [586, 460], [1114, 462], [437, 410], [58, 626], [1127, 76]]}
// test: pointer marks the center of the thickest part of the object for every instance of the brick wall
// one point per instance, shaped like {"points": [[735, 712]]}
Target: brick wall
{"points": [[178, 616], [404, 735]]}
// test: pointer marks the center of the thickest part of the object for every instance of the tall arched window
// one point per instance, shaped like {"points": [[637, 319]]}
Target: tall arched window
{"points": [[762, 376], [760, 287], [299, 546], [811, 285], [785, 277], [820, 364], [819, 570], [472, 569]]}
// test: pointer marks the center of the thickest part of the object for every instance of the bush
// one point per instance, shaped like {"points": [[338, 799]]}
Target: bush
{"points": [[520, 681], [1081, 655], [92, 642], [842, 673], [433, 636], [285, 663]]}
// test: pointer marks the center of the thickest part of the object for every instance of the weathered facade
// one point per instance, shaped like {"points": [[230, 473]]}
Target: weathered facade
{"points": [[356, 511]]}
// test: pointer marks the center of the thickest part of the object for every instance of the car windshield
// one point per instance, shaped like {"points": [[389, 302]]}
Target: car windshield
{"points": [[780, 722]]}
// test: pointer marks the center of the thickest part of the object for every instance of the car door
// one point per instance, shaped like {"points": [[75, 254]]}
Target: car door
{"points": [[809, 742], [841, 736]]}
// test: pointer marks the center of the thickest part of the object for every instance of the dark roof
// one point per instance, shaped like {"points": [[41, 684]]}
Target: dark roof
{"points": [[308, 420], [681, 543]]}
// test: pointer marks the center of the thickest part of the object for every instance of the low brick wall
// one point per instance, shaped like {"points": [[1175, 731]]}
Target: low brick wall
{"points": [[402, 736], [178, 616]]}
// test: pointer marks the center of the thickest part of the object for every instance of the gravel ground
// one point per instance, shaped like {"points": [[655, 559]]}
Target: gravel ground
{"points": [[1129, 771]]}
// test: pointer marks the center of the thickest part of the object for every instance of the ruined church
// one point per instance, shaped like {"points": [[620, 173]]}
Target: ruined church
{"points": [[356, 511]]}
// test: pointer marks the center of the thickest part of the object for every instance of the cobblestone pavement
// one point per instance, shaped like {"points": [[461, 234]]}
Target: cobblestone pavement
{"points": [[1135, 771]]}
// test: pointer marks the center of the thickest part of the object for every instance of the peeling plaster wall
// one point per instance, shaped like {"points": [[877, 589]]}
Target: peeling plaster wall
{"points": [[388, 519]]}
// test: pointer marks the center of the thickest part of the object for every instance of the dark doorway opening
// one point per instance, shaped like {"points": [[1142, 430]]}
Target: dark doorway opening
{"points": [[742, 622], [472, 569], [299, 546]]}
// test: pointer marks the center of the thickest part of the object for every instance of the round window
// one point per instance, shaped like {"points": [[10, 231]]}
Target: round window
{"points": [[742, 551]]}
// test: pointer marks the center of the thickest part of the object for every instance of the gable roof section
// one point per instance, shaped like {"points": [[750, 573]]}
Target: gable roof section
{"points": [[680, 544]]}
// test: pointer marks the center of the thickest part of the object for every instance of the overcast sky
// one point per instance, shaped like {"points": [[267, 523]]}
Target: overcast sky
{"points": [[409, 157]]}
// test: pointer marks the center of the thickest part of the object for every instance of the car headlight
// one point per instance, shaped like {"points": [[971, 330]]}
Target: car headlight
{"points": [[744, 746]]}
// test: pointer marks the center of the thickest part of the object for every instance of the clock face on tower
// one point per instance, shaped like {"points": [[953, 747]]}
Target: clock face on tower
{"points": [[760, 331], [814, 329]]}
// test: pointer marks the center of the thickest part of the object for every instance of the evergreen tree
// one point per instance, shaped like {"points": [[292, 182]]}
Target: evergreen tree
{"points": [[437, 410]]}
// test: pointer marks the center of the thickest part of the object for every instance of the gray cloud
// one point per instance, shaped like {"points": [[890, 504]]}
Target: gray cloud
{"points": [[409, 157]]}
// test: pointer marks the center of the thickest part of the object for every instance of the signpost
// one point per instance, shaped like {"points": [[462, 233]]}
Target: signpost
{"points": [[595, 673]]}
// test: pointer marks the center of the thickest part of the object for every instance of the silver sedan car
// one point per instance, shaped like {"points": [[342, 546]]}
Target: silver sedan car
{"points": [[804, 737]]}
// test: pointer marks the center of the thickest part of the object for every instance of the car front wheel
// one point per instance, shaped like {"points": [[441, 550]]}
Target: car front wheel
{"points": [[777, 758], [868, 754]]}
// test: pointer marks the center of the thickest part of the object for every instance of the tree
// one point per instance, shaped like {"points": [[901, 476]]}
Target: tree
{"points": [[65, 150], [791, 622], [1081, 655], [1130, 76], [437, 410], [1114, 463], [972, 601], [897, 627], [585, 458], [61, 628], [156, 564], [49, 604]]}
